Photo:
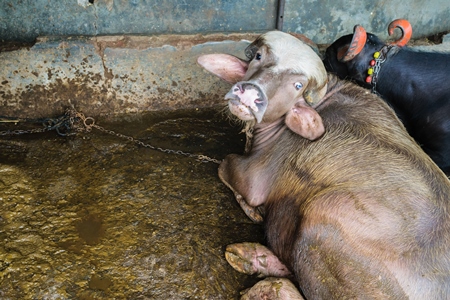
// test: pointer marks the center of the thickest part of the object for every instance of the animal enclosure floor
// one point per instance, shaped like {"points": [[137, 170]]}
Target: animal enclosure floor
{"points": [[93, 216]]}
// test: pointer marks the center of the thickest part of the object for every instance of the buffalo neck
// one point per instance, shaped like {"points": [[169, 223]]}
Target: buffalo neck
{"points": [[266, 134], [263, 135]]}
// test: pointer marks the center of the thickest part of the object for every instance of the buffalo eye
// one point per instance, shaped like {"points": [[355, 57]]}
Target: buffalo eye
{"points": [[298, 86], [258, 56]]}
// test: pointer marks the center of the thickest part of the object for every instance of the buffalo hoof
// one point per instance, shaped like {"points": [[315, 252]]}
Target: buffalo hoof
{"points": [[273, 289], [254, 258], [254, 213]]}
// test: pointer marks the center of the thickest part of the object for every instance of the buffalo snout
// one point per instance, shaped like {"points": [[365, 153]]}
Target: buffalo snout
{"points": [[247, 101]]}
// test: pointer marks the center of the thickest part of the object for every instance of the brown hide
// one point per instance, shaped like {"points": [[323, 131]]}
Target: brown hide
{"points": [[357, 209], [362, 212]]}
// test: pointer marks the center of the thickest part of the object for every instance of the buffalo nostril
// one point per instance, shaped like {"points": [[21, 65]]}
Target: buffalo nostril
{"points": [[239, 88]]}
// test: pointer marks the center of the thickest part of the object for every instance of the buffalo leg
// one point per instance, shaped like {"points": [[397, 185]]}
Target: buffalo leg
{"points": [[252, 212], [254, 258], [274, 289]]}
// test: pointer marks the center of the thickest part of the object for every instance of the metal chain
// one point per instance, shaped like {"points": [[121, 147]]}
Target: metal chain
{"points": [[87, 123], [20, 131], [385, 52], [62, 125], [73, 120]]}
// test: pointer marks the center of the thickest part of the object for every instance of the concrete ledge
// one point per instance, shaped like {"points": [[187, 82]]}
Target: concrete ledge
{"points": [[113, 74], [109, 75]]}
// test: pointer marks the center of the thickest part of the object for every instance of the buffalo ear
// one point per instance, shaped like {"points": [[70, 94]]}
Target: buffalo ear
{"points": [[224, 66], [305, 121]]}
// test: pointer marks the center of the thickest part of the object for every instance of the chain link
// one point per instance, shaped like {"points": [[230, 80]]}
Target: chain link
{"points": [[20, 131], [202, 158], [73, 120], [385, 52], [62, 125]]}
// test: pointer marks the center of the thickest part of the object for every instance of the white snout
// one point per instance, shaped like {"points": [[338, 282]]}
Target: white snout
{"points": [[246, 101], [248, 96]]}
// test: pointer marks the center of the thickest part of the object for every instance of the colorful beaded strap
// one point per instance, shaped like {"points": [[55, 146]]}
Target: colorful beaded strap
{"points": [[379, 58]]}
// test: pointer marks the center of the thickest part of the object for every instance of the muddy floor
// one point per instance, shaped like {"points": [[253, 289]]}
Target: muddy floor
{"points": [[94, 216]]}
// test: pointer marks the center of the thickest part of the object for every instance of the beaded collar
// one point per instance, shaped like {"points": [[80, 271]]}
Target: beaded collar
{"points": [[379, 58]]}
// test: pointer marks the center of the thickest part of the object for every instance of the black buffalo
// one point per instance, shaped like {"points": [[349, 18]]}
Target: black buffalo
{"points": [[415, 83]]}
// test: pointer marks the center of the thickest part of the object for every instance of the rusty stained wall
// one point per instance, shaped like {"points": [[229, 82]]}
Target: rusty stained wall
{"points": [[115, 74], [120, 73]]}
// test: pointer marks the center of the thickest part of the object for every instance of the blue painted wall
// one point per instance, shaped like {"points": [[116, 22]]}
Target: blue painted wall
{"points": [[326, 20], [321, 20], [25, 20]]}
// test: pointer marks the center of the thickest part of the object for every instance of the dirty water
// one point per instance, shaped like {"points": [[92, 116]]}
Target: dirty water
{"points": [[93, 216]]}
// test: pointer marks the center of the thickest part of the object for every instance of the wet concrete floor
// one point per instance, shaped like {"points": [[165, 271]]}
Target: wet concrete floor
{"points": [[94, 216]]}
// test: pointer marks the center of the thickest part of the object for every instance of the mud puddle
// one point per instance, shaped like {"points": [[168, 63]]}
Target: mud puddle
{"points": [[93, 216]]}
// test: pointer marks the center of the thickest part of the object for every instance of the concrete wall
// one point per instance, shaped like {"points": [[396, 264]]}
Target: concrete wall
{"points": [[324, 21], [120, 56], [113, 74], [321, 20], [25, 20]]}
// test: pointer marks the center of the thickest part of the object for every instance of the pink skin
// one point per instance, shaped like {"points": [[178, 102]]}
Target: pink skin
{"points": [[248, 96], [254, 258], [244, 100]]}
